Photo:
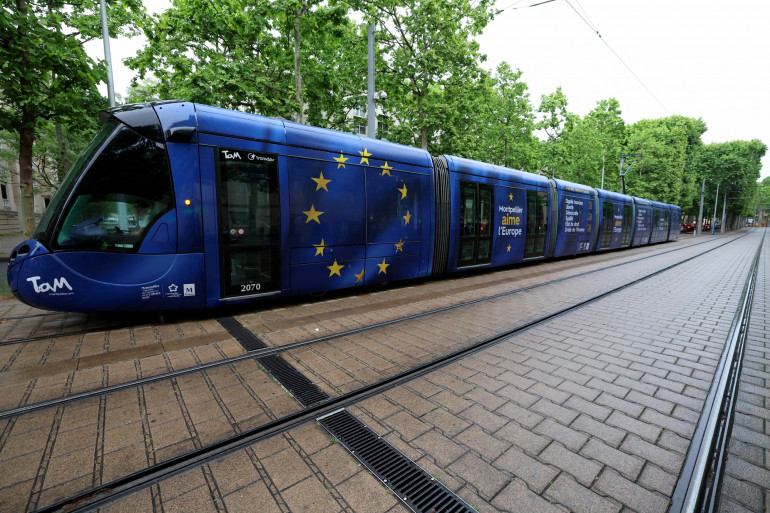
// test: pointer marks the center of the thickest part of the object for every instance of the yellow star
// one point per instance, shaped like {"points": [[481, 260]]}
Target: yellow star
{"points": [[406, 218], [386, 169], [510, 196], [360, 276], [312, 214], [321, 181], [341, 160], [402, 191], [319, 248], [400, 245], [383, 267], [334, 269], [508, 248], [364, 156]]}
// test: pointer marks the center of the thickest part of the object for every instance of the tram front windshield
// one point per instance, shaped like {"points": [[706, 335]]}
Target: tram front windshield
{"points": [[116, 191]]}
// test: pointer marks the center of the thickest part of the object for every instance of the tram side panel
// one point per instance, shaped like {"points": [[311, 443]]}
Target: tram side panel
{"points": [[661, 219], [327, 209], [576, 219], [676, 221], [400, 212], [361, 211], [643, 222], [615, 220], [499, 216]]}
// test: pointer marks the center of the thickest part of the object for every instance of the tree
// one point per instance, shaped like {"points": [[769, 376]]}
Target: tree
{"points": [[508, 121], [253, 56], [556, 120], [46, 73], [426, 46], [735, 166], [668, 145]]}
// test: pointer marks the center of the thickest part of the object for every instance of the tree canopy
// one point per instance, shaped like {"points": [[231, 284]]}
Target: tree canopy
{"points": [[305, 60], [46, 73]]}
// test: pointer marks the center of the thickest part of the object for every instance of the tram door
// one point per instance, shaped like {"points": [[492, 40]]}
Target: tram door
{"points": [[249, 223], [475, 224]]}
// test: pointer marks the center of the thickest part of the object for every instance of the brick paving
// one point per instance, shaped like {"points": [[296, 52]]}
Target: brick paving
{"points": [[366, 358], [580, 414], [596, 408], [746, 485]]}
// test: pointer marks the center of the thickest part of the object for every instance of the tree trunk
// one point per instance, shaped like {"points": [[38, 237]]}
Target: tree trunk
{"points": [[64, 163], [26, 140]]}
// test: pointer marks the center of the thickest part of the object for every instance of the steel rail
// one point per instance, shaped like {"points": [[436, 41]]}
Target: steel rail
{"points": [[259, 353], [700, 481], [150, 314]]}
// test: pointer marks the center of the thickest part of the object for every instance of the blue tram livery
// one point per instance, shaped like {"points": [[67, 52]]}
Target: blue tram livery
{"points": [[176, 205]]}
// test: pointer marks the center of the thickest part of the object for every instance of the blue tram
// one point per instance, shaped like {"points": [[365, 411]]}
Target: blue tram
{"points": [[176, 205]]}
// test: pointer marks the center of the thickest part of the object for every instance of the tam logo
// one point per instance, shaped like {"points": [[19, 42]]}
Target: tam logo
{"points": [[58, 284]]}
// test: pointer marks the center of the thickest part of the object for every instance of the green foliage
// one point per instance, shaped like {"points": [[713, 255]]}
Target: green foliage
{"points": [[735, 166], [426, 46], [239, 54], [507, 122], [555, 121], [306, 60], [45, 72], [668, 146]]}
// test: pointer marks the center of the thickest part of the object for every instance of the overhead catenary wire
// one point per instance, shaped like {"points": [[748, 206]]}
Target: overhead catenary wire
{"points": [[513, 6], [596, 31]]}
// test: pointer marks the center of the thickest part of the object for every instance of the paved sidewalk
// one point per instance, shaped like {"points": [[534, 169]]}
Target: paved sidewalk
{"points": [[8, 242]]}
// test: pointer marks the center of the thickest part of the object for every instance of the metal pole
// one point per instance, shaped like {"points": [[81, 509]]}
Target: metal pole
{"points": [[107, 56], [700, 213], [371, 115], [724, 207], [714, 217]]}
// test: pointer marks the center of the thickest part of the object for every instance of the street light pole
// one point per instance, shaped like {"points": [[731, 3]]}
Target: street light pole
{"points": [[699, 229], [107, 56], [724, 209], [714, 217], [371, 115]]}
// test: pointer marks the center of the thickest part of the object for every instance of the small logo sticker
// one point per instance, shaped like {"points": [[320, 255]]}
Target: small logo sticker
{"points": [[189, 289]]}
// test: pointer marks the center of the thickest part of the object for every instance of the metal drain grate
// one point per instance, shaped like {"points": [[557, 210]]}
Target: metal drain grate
{"points": [[303, 390], [245, 338], [415, 487]]}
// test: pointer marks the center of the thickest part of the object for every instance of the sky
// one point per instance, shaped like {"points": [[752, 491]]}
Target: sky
{"points": [[700, 58]]}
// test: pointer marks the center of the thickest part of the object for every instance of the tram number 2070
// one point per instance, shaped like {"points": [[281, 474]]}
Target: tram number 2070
{"points": [[250, 287]]}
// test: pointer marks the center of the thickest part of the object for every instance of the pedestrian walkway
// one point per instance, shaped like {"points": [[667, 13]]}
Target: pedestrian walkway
{"points": [[8, 242]]}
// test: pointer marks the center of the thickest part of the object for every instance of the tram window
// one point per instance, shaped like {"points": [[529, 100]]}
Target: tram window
{"points": [[537, 224], [625, 234], [476, 212], [468, 210], [655, 224], [608, 221], [126, 188]]}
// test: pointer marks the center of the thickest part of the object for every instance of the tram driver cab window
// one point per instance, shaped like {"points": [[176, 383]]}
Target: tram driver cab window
{"points": [[121, 194]]}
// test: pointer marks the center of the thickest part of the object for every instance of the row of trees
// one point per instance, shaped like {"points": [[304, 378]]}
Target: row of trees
{"points": [[305, 60]]}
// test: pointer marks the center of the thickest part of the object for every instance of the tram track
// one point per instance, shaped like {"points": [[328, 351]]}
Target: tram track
{"points": [[118, 488], [185, 316], [699, 486], [261, 352]]}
